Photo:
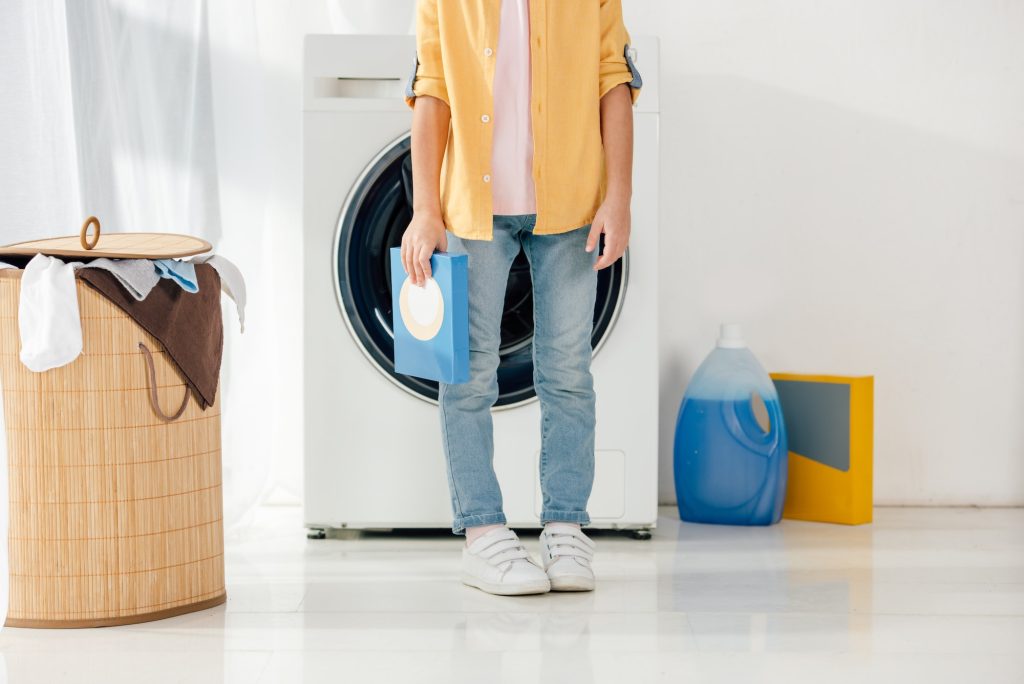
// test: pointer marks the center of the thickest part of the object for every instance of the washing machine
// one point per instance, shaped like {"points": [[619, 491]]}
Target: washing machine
{"points": [[372, 437]]}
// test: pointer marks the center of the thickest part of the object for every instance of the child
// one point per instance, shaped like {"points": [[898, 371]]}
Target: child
{"points": [[522, 137]]}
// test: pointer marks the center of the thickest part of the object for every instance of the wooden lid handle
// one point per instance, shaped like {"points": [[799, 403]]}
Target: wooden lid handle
{"points": [[84, 236]]}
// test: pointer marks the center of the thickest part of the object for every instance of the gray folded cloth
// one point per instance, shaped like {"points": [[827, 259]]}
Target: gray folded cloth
{"points": [[137, 276]]}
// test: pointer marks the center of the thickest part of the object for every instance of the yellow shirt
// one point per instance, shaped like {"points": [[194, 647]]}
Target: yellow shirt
{"points": [[579, 51]]}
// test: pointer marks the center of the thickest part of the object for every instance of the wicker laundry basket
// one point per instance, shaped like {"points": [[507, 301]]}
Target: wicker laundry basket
{"points": [[115, 514]]}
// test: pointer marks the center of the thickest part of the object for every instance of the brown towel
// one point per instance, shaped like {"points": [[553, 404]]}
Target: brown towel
{"points": [[189, 326]]}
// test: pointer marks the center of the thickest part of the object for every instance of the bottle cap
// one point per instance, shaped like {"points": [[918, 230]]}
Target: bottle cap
{"points": [[730, 336]]}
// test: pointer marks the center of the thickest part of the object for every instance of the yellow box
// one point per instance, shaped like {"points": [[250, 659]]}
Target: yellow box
{"points": [[830, 432]]}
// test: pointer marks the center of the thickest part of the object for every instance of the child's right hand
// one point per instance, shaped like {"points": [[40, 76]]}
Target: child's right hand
{"points": [[426, 232]]}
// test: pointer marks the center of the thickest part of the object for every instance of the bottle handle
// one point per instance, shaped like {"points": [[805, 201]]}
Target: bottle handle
{"points": [[741, 421]]}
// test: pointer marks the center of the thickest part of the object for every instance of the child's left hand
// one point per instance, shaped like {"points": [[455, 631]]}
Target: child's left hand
{"points": [[613, 220]]}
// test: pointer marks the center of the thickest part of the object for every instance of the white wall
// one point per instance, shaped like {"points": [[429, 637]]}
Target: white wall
{"points": [[847, 180], [844, 178]]}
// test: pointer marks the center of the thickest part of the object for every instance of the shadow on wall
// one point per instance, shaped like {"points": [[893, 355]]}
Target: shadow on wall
{"points": [[850, 243]]}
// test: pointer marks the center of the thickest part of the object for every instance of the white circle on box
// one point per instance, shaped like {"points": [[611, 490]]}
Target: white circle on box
{"points": [[422, 308]]}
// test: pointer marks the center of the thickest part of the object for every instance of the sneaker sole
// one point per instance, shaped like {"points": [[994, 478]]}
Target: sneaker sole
{"points": [[572, 583], [508, 589]]}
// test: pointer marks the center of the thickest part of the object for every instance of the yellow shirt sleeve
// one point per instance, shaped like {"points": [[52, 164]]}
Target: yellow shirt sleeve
{"points": [[427, 77], [617, 64]]}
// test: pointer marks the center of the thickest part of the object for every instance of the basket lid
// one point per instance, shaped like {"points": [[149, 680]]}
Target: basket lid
{"points": [[115, 246]]}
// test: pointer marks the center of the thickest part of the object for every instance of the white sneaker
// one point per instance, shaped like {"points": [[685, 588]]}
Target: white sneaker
{"points": [[498, 563], [567, 554]]}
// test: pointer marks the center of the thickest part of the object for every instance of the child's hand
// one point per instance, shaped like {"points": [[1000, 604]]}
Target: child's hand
{"points": [[613, 220], [425, 232]]}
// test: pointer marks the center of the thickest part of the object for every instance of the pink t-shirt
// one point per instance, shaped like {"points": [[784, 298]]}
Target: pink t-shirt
{"points": [[512, 151]]}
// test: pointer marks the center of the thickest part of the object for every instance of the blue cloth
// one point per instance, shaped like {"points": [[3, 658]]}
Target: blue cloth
{"points": [[181, 272], [564, 294]]}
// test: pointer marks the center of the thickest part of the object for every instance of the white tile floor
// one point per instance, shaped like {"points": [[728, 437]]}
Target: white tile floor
{"points": [[922, 595]]}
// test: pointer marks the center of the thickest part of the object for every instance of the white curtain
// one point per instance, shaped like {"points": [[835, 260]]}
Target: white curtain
{"points": [[182, 116], [38, 161], [38, 167]]}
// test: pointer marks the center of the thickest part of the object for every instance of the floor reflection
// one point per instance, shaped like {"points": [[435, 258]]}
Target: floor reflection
{"points": [[921, 593]]}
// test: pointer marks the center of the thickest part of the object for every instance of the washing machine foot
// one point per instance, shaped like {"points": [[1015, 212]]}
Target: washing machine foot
{"points": [[316, 533], [643, 534]]}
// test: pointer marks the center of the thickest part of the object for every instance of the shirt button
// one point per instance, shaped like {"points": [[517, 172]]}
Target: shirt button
{"points": [[485, 118], [487, 178], [488, 52]]}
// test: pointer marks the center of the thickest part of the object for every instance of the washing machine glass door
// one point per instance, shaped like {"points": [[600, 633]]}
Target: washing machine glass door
{"points": [[375, 214]]}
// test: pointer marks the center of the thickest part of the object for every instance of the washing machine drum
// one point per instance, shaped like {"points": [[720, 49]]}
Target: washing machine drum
{"points": [[376, 213]]}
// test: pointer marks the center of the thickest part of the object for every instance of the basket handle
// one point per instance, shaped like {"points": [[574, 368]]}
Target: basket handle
{"points": [[83, 237], [154, 401]]}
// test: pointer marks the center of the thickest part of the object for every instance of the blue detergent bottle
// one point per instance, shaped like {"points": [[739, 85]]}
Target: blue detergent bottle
{"points": [[730, 452]]}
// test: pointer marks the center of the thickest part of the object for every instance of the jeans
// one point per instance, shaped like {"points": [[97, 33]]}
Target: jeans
{"points": [[564, 292]]}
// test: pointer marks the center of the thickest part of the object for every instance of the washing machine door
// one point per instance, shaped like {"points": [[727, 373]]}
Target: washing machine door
{"points": [[375, 214]]}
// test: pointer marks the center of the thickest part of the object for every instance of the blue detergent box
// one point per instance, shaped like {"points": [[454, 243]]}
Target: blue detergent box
{"points": [[431, 323]]}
